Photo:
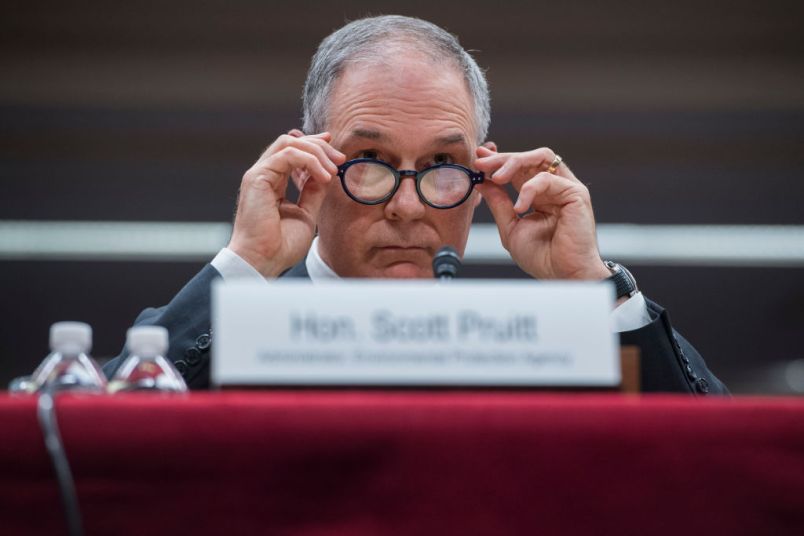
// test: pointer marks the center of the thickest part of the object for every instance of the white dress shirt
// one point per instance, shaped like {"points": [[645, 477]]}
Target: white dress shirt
{"points": [[630, 315]]}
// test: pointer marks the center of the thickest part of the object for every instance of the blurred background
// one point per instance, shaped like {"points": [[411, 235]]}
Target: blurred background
{"points": [[126, 129]]}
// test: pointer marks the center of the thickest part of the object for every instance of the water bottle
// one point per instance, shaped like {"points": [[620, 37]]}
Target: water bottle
{"points": [[146, 368], [68, 367]]}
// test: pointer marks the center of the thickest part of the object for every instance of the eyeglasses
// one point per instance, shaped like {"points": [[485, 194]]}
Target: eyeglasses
{"points": [[372, 182]]}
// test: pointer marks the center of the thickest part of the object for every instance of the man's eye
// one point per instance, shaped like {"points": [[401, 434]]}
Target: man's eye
{"points": [[442, 158], [368, 154]]}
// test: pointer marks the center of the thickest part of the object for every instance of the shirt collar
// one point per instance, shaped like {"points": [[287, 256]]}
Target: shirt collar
{"points": [[316, 267]]}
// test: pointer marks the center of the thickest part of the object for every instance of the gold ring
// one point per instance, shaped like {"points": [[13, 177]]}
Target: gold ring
{"points": [[554, 166]]}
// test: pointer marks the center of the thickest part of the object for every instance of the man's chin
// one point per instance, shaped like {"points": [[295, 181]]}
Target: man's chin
{"points": [[400, 263], [404, 270]]}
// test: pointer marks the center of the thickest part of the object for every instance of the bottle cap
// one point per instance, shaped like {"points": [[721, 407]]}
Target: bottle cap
{"points": [[70, 337], [147, 341]]}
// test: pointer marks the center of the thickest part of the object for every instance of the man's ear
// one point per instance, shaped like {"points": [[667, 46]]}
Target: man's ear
{"points": [[476, 201], [296, 133], [490, 145]]}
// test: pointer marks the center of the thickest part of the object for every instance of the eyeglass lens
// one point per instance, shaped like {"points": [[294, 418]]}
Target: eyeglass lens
{"points": [[370, 182], [445, 186]]}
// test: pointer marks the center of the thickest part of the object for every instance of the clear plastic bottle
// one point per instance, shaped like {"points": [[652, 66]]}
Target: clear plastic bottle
{"points": [[146, 368], [68, 367]]}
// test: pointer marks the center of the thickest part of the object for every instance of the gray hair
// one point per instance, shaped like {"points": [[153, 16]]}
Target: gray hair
{"points": [[366, 40]]}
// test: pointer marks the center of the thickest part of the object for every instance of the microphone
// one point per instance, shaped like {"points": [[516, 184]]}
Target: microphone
{"points": [[446, 263]]}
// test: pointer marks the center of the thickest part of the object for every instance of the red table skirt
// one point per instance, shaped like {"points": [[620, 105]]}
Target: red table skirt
{"points": [[311, 463]]}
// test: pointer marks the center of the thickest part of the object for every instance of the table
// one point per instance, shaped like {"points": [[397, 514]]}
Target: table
{"points": [[411, 462]]}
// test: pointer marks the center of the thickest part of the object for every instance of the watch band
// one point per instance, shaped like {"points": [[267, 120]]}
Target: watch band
{"points": [[624, 282]]}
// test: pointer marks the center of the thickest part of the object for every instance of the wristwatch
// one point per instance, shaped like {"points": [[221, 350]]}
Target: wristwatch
{"points": [[624, 282]]}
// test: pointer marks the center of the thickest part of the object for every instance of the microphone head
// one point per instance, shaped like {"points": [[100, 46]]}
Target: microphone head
{"points": [[446, 263]]}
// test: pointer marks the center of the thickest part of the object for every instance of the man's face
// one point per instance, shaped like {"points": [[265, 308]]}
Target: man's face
{"points": [[411, 114]]}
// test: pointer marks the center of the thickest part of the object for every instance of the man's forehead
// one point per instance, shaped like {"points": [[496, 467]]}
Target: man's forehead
{"points": [[407, 96]]}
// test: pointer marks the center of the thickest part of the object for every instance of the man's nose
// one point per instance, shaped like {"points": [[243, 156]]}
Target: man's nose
{"points": [[405, 205]]}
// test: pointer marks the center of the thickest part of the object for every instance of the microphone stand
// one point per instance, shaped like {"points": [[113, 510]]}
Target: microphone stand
{"points": [[446, 263]]}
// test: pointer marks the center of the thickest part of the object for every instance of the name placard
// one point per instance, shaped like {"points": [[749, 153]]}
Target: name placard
{"points": [[499, 333]]}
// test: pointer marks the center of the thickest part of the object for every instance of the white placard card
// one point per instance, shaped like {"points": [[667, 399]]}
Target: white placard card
{"points": [[474, 333]]}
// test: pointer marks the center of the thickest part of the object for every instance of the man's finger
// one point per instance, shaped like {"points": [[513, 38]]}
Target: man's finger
{"points": [[565, 171], [335, 155], [491, 162], [501, 207], [312, 197], [308, 145], [546, 189], [484, 152], [521, 166], [290, 158]]}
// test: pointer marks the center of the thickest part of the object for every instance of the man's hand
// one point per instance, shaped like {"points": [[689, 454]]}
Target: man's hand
{"points": [[557, 239], [270, 232]]}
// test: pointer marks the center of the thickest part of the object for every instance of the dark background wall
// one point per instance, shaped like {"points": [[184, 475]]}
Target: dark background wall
{"points": [[682, 112]]}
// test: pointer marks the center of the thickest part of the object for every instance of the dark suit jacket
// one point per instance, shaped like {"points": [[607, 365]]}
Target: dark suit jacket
{"points": [[668, 362]]}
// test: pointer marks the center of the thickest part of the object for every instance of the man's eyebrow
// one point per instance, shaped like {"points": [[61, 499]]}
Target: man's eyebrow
{"points": [[368, 134], [451, 139]]}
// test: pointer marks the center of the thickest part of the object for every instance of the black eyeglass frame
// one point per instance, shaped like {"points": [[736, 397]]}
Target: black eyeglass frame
{"points": [[475, 177]]}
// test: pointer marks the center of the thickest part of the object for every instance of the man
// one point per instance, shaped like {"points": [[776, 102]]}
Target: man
{"points": [[399, 112]]}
